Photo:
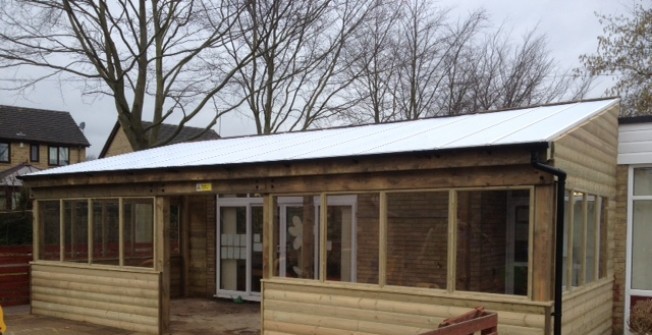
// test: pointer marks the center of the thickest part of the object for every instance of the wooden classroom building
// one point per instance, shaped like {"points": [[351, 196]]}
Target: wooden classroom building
{"points": [[375, 229]]}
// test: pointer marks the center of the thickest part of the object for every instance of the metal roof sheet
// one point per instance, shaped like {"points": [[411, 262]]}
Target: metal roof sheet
{"points": [[518, 126]]}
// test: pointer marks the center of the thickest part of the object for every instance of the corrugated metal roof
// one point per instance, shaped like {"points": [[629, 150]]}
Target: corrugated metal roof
{"points": [[511, 127]]}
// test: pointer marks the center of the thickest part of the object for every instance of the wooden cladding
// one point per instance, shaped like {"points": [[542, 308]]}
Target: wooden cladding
{"points": [[123, 299]]}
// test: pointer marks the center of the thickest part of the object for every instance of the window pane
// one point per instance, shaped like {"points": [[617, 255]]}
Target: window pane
{"points": [[641, 246], [106, 232], [367, 218], [138, 232], [603, 238], [64, 156], [578, 237], [298, 239], [643, 181], [483, 263], [49, 225], [352, 246], [53, 156], [591, 237], [34, 152], [417, 234], [75, 223], [233, 248], [4, 152], [175, 230]]}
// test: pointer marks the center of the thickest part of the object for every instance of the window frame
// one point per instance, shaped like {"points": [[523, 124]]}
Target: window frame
{"points": [[57, 161], [34, 152], [8, 152]]}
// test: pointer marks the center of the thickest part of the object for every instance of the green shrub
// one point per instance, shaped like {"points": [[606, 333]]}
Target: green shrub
{"points": [[640, 320]]}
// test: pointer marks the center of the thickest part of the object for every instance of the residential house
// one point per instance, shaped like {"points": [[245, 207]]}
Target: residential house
{"points": [[35, 139], [117, 142], [374, 229]]}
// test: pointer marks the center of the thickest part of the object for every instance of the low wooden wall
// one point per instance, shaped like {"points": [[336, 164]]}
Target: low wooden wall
{"points": [[127, 299], [302, 308], [589, 309], [14, 274]]}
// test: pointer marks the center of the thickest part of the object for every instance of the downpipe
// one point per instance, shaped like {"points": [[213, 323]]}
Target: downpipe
{"points": [[559, 236]]}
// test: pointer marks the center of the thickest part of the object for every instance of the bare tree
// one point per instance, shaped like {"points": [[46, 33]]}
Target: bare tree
{"points": [[625, 50], [162, 55], [295, 80]]}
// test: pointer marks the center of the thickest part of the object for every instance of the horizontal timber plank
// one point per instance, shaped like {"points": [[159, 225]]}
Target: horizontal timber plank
{"points": [[47, 309], [80, 301], [147, 302]]}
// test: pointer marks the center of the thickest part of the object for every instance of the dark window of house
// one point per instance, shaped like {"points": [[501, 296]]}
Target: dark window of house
{"points": [[34, 153], [58, 156], [4, 152]]}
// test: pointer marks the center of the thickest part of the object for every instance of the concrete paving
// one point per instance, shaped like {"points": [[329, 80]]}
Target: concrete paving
{"points": [[187, 316]]}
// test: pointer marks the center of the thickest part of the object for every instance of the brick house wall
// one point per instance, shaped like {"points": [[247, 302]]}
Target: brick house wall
{"points": [[20, 153], [119, 145]]}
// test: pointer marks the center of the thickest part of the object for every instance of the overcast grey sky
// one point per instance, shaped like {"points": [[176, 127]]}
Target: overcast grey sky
{"points": [[570, 26]]}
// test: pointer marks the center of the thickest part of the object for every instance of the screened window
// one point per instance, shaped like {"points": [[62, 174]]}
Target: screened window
{"points": [[298, 237], [58, 156], [492, 241], [34, 154], [5, 154], [49, 230], [106, 231], [138, 232], [417, 239], [75, 228]]}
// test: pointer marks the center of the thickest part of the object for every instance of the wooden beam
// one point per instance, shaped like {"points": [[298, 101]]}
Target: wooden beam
{"points": [[162, 256], [382, 236], [542, 243], [331, 166]]}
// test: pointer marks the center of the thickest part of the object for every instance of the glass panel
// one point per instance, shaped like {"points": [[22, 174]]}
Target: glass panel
{"points": [[641, 246], [603, 238], [138, 232], [482, 244], [4, 152], [578, 237], [64, 156], [34, 153], [257, 247], [643, 181], [49, 224], [417, 234], [106, 232], [340, 224], [367, 216], [591, 238], [233, 248], [75, 228], [298, 228], [53, 156]]}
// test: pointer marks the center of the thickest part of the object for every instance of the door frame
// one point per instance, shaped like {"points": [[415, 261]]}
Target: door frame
{"points": [[629, 291]]}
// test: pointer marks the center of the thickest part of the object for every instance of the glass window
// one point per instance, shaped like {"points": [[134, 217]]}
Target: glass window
{"points": [[352, 229], [5, 155], [233, 248], [58, 156], [75, 227], [641, 247], [491, 250], [643, 181], [578, 237], [602, 248], [417, 235], [49, 226], [592, 238], [138, 232], [106, 232], [298, 236], [34, 154]]}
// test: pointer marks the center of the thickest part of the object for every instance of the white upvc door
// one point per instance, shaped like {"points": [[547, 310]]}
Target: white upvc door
{"points": [[638, 280]]}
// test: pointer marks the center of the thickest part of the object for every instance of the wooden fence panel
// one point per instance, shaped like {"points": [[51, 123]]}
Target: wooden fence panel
{"points": [[14, 275]]}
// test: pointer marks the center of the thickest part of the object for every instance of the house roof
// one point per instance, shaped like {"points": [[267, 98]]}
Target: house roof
{"points": [[8, 177], [532, 125], [40, 125], [186, 134]]}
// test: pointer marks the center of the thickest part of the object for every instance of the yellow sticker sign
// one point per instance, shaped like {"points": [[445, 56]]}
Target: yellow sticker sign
{"points": [[204, 187]]}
